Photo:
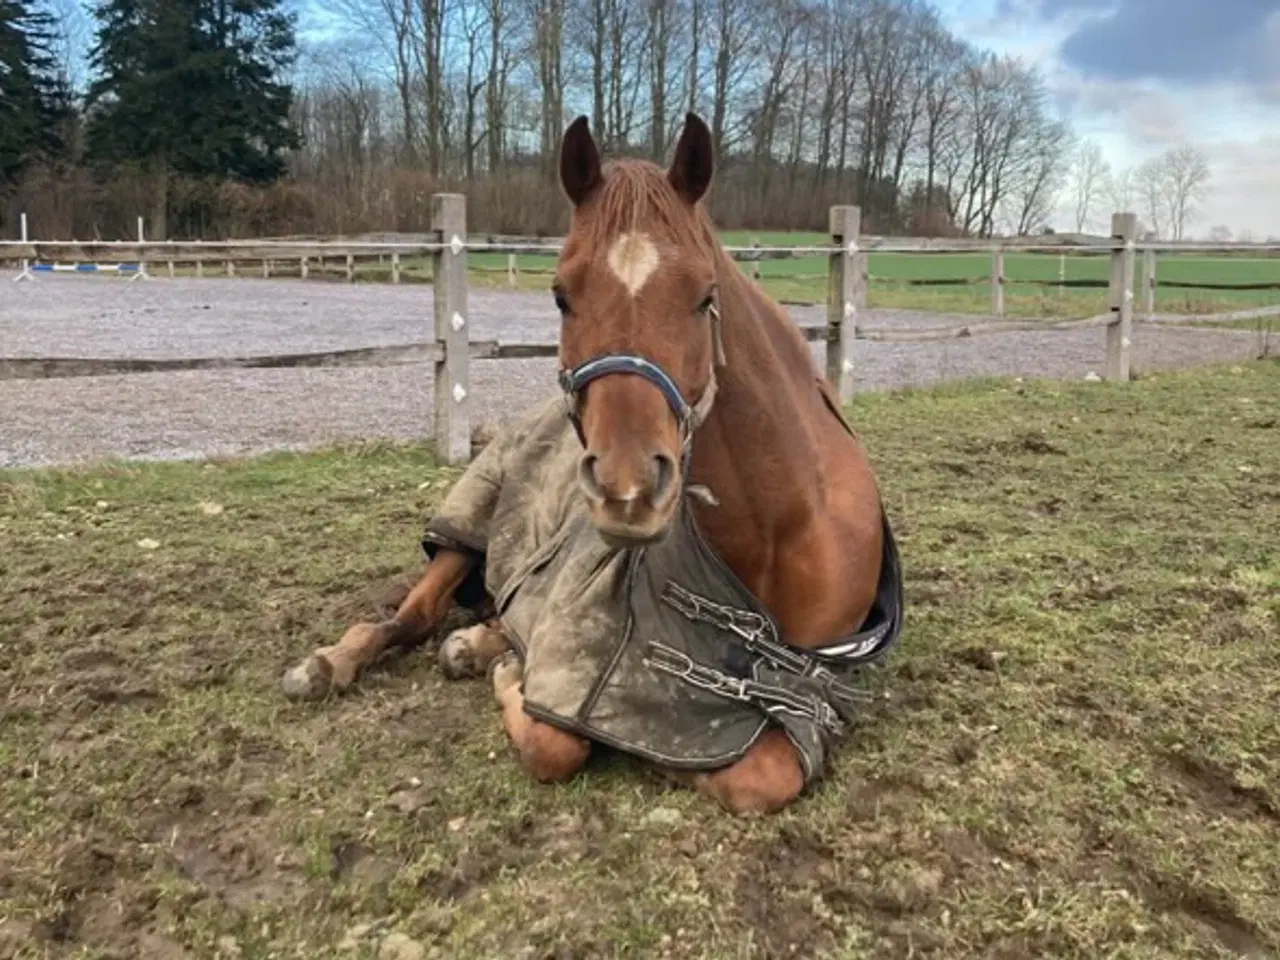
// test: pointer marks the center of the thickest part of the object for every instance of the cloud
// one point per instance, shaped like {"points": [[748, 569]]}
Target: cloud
{"points": [[1151, 116], [1140, 76], [1245, 189], [1179, 42]]}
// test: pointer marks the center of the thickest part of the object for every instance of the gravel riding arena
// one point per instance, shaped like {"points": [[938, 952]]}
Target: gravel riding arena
{"points": [[218, 413]]}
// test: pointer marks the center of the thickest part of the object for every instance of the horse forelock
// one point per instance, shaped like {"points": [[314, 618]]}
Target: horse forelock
{"points": [[636, 200]]}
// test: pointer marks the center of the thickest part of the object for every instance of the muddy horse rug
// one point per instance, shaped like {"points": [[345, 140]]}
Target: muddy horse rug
{"points": [[656, 650]]}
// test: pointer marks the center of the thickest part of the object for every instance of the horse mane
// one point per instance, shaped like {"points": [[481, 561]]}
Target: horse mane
{"points": [[636, 196]]}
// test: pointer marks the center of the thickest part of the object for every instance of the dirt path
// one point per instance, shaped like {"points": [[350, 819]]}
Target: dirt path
{"points": [[224, 413]]}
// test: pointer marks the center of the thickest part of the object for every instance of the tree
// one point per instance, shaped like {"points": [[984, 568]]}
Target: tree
{"points": [[34, 99], [192, 87], [1170, 186], [1186, 181], [1120, 189], [1089, 173], [1151, 185]]}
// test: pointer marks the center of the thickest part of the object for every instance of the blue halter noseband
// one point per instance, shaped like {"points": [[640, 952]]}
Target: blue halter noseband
{"points": [[574, 381]]}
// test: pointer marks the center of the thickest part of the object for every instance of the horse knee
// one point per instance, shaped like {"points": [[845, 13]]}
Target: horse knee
{"points": [[550, 755], [764, 781]]}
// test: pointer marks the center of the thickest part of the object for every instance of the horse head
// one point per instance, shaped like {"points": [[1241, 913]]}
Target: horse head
{"points": [[635, 285]]}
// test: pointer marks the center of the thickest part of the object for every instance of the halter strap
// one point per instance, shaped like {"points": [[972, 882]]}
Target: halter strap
{"points": [[689, 417]]}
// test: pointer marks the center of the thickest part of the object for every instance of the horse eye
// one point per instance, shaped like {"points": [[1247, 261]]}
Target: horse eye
{"points": [[706, 304], [561, 303]]}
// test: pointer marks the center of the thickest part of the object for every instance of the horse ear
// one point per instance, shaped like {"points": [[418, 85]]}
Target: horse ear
{"points": [[579, 162], [692, 166]]}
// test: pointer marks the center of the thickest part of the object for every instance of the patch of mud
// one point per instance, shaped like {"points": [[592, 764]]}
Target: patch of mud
{"points": [[91, 894], [1218, 790], [231, 866], [567, 838], [772, 901], [1210, 910], [873, 799]]}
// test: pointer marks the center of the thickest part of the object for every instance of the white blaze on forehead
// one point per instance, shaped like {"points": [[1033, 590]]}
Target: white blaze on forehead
{"points": [[633, 258]]}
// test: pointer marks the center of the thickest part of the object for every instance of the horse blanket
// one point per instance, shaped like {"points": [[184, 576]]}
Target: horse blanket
{"points": [[659, 650]]}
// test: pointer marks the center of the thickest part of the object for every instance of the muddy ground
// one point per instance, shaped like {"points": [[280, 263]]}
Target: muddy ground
{"points": [[1074, 752]]}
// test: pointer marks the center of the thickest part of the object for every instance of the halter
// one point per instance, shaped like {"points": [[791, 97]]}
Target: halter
{"points": [[689, 417]]}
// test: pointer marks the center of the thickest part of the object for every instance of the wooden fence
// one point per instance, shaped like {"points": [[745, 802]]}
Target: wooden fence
{"points": [[452, 349]]}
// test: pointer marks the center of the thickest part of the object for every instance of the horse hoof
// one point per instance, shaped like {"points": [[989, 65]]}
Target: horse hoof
{"points": [[506, 672], [471, 651], [309, 680], [455, 656]]}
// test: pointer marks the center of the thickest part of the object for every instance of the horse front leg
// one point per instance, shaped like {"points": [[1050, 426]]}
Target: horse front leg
{"points": [[547, 753], [767, 778], [334, 668]]}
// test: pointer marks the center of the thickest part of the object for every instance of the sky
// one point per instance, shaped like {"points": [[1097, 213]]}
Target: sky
{"points": [[1139, 76]]}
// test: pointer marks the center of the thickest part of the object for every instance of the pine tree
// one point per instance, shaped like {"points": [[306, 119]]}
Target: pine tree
{"points": [[192, 87], [34, 98]]}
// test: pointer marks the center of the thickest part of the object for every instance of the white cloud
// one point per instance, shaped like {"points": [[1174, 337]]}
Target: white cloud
{"points": [[1234, 120]]}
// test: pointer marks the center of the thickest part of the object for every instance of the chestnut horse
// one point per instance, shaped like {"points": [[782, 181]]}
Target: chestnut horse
{"points": [[788, 498]]}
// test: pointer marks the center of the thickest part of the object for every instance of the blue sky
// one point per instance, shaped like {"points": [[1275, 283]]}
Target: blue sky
{"points": [[1142, 75]]}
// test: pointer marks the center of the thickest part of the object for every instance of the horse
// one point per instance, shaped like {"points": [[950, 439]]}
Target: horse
{"points": [[682, 374]]}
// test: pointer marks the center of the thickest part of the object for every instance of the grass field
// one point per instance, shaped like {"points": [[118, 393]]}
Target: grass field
{"points": [[1076, 754], [804, 279]]}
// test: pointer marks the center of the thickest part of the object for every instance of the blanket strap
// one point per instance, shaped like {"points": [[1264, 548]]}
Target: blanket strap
{"points": [[759, 636], [769, 697]]}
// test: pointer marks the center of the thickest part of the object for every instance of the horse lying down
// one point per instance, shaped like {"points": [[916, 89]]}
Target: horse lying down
{"points": [[695, 583]]}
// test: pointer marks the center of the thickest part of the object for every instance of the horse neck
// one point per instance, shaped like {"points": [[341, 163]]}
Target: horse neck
{"points": [[758, 423]]}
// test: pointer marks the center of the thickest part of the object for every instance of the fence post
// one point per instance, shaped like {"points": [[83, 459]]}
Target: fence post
{"points": [[1148, 283], [1124, 227], [395, 267], [25, 273], [449, 282], [512, 269], [351, 268], [997, 281], [755, 263], [303, 268], [141, 273], [843, 273]]}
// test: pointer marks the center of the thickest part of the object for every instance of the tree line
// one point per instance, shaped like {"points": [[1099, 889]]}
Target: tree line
{"points": [[209, 116]]}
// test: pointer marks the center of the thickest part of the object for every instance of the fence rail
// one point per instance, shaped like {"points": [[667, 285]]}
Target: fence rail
{"points": [[451, 350]]}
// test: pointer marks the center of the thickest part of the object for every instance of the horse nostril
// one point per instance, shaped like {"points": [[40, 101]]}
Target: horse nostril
{"points": [[664, 472], [587, 478]]}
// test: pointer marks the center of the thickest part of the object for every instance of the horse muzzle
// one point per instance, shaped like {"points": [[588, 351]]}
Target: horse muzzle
{"points": [[632, 502]]}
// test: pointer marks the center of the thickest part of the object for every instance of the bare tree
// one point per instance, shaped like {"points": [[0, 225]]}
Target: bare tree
{"points": [[811, 102], [500, 17], [1037, 171], [1151, 183], [1120, 187], [944, 60], [1089, 172], [1186, 178]]}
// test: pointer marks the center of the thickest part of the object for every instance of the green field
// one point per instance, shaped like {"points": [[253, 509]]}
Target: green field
{"points": [[1076, 753], [804, 279]]}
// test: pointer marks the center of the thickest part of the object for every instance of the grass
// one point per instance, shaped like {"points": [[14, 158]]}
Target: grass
{"points": [[804, 279], [1076, 754]]}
